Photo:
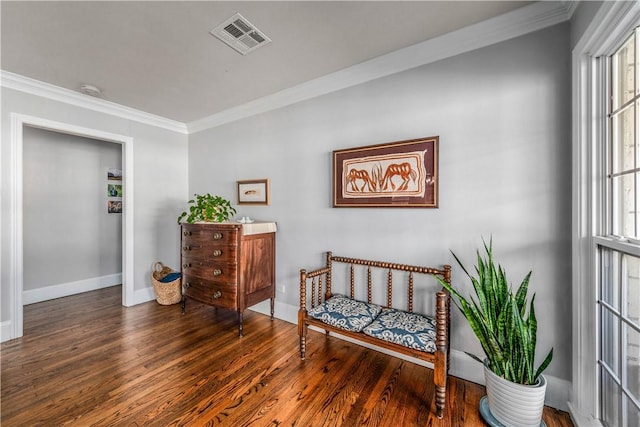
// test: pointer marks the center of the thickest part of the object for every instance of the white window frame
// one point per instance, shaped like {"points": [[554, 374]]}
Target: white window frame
{"points": [[611, 25]]}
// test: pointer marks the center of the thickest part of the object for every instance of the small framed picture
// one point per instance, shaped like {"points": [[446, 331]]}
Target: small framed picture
{"points": [[114, 174], [114, 206], [253, 192], [114, 190]]}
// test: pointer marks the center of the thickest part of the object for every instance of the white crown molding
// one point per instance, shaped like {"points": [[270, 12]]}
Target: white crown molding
{"points": [[522, 21], [571, 6], [57, 93]]}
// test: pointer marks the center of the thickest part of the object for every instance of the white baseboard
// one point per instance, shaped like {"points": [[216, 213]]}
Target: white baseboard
{"points": [[143, 295], [6, 329], [46, 293], [462, 365], [582, 420]]}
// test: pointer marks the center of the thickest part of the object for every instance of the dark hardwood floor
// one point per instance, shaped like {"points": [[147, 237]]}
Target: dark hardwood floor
{"points": [[87, 361]]}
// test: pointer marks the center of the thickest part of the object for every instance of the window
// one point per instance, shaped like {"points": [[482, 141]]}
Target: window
{"points": [[618, 253], [624, 156]]}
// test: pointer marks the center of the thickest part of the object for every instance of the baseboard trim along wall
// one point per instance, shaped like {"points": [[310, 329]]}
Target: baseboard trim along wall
{"points": [[6, 329], [49, 292], [462, 365]]}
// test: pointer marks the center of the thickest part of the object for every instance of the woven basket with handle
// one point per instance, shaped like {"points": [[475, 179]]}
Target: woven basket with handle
{"points": [[167, 293]]}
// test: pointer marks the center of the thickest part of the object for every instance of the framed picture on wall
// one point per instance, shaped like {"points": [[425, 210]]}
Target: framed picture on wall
{"points": [[114, 206], [114, 190], [114, 174], [253, 192], [393, 175]]}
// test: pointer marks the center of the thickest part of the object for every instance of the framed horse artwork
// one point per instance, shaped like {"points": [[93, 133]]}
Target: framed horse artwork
{"points": [[401, 174]]}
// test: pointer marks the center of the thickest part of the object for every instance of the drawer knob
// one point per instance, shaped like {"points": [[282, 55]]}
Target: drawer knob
{"points": [[217, 272], [186, 233], [217, 236], [217, 294], [217, 252], [187, 284], [186, 248], [186, 265]]}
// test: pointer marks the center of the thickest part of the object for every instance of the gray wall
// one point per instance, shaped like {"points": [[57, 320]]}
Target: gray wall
{"points": [[68, 235], [503, 117]]}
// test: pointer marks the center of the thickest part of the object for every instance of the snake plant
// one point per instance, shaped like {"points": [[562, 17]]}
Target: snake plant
{"points": [[500, 320], [205, 207]]}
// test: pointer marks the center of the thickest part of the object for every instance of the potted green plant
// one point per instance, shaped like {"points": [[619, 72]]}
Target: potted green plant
{"points": [[507, 332], [205, 207]]}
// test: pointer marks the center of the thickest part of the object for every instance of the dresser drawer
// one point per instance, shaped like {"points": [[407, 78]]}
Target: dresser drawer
{"points": [[209, 253], [209, 292], [216, 271], [205, 235]]}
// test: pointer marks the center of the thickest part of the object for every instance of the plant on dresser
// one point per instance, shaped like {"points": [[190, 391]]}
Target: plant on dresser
{"points": [[205, 207]]}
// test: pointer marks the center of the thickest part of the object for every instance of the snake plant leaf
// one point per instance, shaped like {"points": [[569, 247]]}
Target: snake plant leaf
{"points": [[533, 330], [543, 366], [460, 263], [521, 295]]}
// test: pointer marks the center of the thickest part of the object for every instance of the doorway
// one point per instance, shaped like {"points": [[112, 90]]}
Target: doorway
{"points": [[16, 274]]}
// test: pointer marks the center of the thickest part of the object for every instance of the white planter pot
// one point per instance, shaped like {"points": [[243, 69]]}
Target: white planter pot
{"points": [[515, 405]]}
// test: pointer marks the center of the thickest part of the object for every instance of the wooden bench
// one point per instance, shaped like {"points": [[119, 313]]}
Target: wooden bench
{"points": [[427, 338]]}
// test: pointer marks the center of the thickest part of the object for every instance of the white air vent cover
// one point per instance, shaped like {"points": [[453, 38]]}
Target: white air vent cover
{"points": [[240, 34]]}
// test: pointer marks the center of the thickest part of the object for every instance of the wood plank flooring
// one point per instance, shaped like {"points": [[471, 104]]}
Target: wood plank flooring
{"points": [[87, 361]]}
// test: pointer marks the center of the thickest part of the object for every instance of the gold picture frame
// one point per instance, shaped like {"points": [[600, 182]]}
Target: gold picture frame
{"points": [[253, 192]]}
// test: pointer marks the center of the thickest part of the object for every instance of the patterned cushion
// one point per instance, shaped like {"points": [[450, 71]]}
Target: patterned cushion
{"points": [[407, 329], [345, 313]]}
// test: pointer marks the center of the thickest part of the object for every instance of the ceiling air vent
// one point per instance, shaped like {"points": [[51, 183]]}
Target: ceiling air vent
{"points": [[240, 34]]}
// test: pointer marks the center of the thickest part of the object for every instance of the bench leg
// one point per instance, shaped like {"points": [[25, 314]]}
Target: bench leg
{"points": [[440, 382], [440, 401], [302, 332], [303, 347]]}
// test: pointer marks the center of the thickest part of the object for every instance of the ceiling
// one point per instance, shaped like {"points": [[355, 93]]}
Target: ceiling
{"points": [[159, 58]]}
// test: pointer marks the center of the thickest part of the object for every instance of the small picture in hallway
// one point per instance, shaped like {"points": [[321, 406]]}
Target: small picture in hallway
{"points": [[114, 206], [114, 190], [114, 174]]}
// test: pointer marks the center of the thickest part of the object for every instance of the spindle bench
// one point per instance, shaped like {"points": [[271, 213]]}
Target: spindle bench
{"points": [[386, 326]]}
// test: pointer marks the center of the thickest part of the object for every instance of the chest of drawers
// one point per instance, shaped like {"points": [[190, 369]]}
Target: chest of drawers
{"points": [[228, 265]]}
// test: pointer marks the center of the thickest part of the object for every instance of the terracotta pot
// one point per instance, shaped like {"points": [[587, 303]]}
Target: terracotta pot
{"points": [[512, 404]]}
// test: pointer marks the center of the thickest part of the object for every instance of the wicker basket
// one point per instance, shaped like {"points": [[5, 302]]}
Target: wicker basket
{"points": [[167, 293]]}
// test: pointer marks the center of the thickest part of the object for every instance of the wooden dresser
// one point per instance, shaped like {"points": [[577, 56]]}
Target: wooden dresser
{"points": [[229, 265]]}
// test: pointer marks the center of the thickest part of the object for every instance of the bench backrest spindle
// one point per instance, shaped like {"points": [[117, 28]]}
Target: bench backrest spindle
{"points": [[369, 284], [410, 307], [389, 288], [328, 276], [352, 283]]}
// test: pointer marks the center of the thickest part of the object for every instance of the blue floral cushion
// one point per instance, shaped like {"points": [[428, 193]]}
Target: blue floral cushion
{"points": [[345, 313], [407, 329]]}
